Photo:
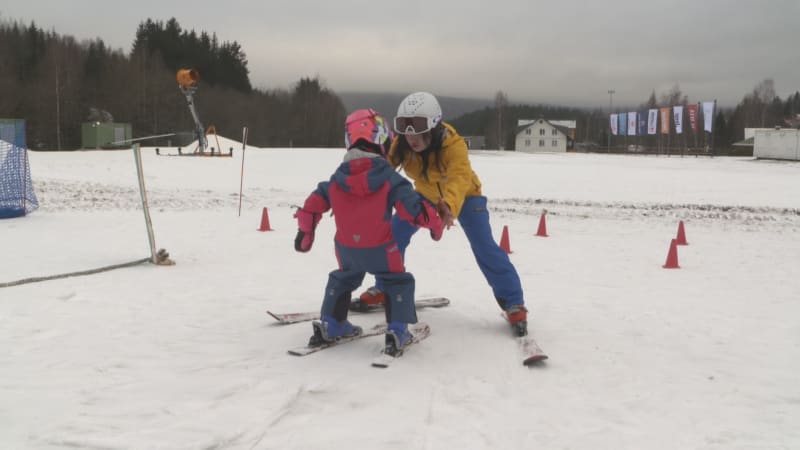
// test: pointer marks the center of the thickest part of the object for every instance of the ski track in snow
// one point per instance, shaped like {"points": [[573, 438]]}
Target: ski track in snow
{"points": [[59, 195]]}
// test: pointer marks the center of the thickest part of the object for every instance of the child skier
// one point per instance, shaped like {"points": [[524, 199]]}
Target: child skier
{"points": [[362, 193]]}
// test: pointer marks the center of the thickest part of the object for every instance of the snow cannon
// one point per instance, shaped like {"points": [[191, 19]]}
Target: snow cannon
{"points": [[188, 78], [187, 83]]}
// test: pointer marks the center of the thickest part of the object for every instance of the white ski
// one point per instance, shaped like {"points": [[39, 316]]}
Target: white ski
{"points": [[531, 352], [378, 329], [289, 318], [419, 332]]}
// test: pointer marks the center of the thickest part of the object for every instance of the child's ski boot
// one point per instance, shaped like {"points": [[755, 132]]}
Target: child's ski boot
{"points": [[329, 330], [397, 338]]}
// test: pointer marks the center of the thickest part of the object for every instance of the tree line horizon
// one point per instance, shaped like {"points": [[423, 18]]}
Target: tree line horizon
{"points": [[55, 84]]}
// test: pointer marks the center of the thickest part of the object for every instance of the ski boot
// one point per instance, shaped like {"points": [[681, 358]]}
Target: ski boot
{"points": [[330, 330], [517, 316], [371, 298], [397, 338]]}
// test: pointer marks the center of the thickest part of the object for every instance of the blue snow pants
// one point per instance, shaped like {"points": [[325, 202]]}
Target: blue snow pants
{"points": [[382, 261], [492, 260]]}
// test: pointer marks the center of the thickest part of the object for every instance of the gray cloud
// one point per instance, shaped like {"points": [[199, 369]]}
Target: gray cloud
{"points": [[568, 52]]}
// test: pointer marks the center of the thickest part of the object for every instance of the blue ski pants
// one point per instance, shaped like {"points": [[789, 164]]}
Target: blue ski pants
{"points": [[492, 260], [381, 261]]}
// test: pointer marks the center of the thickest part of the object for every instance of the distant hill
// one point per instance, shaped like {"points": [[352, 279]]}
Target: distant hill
{"points": [[386, 103]]}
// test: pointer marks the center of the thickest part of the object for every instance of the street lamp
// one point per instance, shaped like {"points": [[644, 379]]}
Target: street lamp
{"points": [[611, 93]]}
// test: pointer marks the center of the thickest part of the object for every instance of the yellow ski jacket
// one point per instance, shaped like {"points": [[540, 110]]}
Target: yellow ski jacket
{"points": [[454, 181]]}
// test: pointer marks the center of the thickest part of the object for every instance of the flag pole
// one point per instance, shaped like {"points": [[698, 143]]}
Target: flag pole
{"points": [[241, 177], [713, 128], [697, 123]]}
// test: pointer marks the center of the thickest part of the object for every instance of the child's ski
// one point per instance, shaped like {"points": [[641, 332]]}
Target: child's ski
{"points": [[289, 318], [356, 305], [419, 332], [378, 329]]}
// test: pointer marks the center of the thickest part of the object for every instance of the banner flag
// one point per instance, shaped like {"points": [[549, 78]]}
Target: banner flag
{"points": [[642, 117], [632, 123], [692, 110], [708, 116], [677, 117], [612, 120], [664, 120], [623, 124], [652, 121]]}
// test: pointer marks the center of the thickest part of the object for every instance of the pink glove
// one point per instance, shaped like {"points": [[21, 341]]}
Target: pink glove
{"points": [[306, 224], [435, 223], [437, 229]]}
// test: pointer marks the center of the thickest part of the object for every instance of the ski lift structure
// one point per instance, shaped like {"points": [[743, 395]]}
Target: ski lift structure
{"points": [[188, 80]]}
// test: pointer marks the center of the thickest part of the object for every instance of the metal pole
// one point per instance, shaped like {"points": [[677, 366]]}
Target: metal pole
{"points": [[137, 154], [611, 93], [241, 177]]}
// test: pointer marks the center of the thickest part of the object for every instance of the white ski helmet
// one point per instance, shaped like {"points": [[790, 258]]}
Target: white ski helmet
{"points": [[418, 113]]}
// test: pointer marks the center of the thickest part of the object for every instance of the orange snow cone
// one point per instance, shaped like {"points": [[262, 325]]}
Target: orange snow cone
{"points": [[672, 256], [504, 240], [264, 221], [542, 231], [681, 238]]}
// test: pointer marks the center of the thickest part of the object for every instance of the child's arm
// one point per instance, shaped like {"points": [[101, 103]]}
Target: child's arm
{"points": [[414, 208], [309, 216]]}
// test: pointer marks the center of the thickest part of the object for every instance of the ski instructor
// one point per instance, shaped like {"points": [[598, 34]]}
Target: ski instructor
{"points": [[435, 157]]}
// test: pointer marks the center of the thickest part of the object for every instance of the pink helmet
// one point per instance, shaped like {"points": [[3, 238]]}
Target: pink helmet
{"points": [[365, 127]]}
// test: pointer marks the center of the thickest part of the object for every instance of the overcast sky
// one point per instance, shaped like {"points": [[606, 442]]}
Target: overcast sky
{"points": [[562, 52]]}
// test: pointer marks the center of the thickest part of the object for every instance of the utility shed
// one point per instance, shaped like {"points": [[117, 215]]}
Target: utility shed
{"points": [[101, 134], [780, 143]]}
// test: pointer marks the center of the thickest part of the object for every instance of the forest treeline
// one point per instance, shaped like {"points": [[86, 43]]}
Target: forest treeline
{"points": [[760, 108], [56, 83]]}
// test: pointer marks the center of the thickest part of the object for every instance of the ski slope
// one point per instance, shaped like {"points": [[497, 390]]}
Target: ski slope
{"points": [[185, 357]]}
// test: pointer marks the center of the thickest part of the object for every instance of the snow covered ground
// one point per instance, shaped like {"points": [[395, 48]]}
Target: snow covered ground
{"points": [[184, 357]]}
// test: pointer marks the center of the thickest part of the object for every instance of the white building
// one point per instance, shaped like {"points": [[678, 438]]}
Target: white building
{"points": [[542, 135], [782, 143]]}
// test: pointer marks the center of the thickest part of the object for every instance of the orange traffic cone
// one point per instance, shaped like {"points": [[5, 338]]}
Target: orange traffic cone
{"points": [[672, 256], [264, 221], [681, 235], [504, 240], [542, 231]]}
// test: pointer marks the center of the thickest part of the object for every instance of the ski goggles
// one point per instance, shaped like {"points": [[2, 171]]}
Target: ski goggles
{"points": [[413, 125]]}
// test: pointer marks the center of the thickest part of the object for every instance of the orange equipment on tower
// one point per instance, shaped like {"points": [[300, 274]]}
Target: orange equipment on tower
{"points": [[187, 83]]}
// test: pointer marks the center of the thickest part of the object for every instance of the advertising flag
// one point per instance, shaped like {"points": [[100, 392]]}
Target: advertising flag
{"points": [[692, 110], [632, 123], [642, 117], [708, 116], [623, 124], [652, 121], [612, 119], [677, 117], [664, 120]]}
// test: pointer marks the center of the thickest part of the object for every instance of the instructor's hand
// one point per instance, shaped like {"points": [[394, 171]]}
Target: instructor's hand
{"points": [[445, 213]]}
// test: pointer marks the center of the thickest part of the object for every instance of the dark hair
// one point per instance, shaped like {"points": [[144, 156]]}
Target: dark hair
{"points": [[403, 150], [372, 147]]}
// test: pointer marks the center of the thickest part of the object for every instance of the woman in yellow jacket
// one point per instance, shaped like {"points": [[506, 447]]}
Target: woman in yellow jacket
{"points": [[435, 157]]}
